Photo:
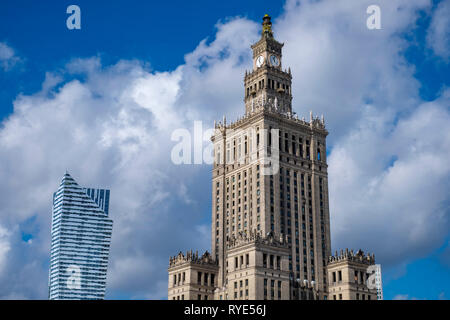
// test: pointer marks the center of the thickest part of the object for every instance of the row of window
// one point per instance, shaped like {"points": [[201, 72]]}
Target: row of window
{"points": [[358, 297], [179, 278], [299, 148], [181, 297], [271, 84], [202, 278], [272, 289], [271, 261], [239, 262], [360, 277]]}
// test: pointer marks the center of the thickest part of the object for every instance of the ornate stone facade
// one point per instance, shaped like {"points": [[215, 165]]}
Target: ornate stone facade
{"points": [[270, 214], [348, 276], [192, 277], [258, 268]]}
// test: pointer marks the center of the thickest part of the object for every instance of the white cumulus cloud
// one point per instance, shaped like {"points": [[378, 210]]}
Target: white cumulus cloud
{"points": [[4, 246], [438, 35], [8, 57]]}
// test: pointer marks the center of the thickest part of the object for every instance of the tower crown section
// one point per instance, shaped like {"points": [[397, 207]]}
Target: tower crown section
{"points": [[191, 257], [256, 238], [350, 255], [268, 83]]}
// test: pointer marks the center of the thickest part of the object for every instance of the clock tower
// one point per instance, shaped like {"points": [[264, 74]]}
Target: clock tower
{"points": [[267, 82], [270, 229]]}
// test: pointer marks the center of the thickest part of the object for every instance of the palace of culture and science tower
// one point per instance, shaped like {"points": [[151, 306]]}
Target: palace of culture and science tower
{"points": [[270, 236]]}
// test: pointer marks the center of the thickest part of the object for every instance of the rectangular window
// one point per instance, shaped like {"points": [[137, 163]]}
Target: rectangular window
{"points": [[265, 289]]}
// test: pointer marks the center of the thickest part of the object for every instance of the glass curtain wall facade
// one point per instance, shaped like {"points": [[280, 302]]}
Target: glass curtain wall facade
{"points": [[81, 237]]}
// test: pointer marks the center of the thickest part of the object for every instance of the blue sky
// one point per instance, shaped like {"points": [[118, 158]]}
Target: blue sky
{"points": [[158, 32], [103, 101]]}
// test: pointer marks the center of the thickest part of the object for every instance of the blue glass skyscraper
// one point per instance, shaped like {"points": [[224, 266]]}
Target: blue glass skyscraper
{"points": [[81, 237]]}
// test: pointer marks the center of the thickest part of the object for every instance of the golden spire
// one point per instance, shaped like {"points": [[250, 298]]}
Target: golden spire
{"points": [[267, 26]]}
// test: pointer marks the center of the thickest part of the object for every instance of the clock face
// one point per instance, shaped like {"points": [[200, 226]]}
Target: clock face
{"points": [[259, 61], [274, 61]]}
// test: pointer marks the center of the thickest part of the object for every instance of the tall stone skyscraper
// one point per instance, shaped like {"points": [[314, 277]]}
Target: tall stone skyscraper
{"points": [[270, 212], [293, 202], [81, 237]]}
